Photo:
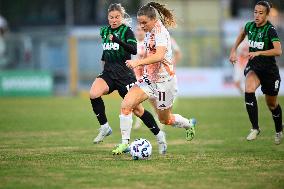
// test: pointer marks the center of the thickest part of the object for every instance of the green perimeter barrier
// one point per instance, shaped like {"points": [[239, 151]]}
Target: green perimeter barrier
{"points": [[25, 83]]}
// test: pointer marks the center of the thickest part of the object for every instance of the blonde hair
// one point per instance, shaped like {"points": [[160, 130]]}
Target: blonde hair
{"points": [[165, 14], [118, 7]]}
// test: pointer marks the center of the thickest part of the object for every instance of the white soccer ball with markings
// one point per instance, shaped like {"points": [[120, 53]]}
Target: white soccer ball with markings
{"points": [[140, 149]]}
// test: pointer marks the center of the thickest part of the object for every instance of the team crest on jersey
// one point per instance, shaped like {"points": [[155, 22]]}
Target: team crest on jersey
{"points": [[260, 35], [116, 34], [111, 46]]}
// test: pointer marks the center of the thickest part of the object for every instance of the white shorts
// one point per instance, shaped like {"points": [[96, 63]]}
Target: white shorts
{"points": [[163, 93]]}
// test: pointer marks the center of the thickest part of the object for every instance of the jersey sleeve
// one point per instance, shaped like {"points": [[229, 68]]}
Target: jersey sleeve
{"points": [[130, 38], [246, 28], [102, 31], [273, 34], [101, 34]]}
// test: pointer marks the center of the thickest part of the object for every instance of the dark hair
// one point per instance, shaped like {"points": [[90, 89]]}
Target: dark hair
{"points": [[266, 4], [166, 15]]}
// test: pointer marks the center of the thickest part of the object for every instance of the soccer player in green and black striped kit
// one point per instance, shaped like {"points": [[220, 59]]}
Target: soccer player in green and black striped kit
{"points": [[118, 44], [261, 70]]}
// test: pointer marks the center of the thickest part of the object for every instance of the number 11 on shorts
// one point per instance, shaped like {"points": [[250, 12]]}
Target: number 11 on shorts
{"points": [[162, 96]]}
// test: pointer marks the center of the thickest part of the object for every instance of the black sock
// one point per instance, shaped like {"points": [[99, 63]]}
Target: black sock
{"points": [[277, 117], [150, 122], [251, 105], [99, 110]]}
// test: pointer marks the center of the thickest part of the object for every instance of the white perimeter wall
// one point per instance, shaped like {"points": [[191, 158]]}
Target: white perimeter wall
{"points": [[198, 82]]}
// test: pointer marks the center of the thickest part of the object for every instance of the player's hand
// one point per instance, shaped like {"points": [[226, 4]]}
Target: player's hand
{"points": [[110, 37], [233, 57], [131, 63], [251, 55]]}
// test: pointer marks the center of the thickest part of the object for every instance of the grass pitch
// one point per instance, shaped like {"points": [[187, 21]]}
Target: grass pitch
{"points": [[47, 143]]}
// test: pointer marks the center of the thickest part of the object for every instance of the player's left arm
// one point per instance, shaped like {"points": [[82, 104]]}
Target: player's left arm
{"points": [[276, 51]]}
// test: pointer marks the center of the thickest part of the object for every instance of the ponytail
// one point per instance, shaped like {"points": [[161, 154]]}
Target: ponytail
{"points": [[165, 14]]}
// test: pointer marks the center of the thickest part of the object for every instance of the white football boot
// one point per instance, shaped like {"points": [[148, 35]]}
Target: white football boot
{"points": [[253, 134], [162, 143], [104, 131], [278, 138]]}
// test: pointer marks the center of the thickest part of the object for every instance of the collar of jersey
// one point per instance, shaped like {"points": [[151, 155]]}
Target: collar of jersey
{"points": [[158, 22], [114, 29], [263, 25]]}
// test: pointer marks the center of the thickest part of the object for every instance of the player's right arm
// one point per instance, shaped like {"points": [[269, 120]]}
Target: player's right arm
{"points": [[240, 38]]}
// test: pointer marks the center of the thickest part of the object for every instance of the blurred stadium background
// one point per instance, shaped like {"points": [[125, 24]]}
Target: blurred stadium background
{"points": [[52, 47]]}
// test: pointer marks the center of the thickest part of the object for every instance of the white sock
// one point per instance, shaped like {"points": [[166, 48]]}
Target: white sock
{"points": [[105, 125], [181, 122], [125, 127], [160, 134]]}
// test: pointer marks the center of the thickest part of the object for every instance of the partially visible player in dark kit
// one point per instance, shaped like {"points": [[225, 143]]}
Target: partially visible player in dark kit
{"points": [[118, 43], [261, 70]]}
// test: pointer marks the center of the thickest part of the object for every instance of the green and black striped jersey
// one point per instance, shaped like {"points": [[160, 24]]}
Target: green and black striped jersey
{"points": [[261, 39], [114, 54]]}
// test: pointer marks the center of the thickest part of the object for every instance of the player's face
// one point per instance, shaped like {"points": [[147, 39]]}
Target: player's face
{"points": [[114, 19], [139, 33], [260, 15], [146, 23]]}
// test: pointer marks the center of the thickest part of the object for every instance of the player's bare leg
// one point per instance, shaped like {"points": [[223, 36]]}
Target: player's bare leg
{"points": [[166, 117]]}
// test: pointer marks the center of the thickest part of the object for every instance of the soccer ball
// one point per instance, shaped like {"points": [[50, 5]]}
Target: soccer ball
{"points": [[140, 149]]}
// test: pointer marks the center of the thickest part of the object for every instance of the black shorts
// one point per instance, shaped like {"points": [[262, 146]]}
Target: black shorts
{"points": [[122, 85], [268, 75]]}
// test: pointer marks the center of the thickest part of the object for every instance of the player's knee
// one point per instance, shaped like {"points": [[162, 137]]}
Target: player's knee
{"points": [[167, 120], [250, 89], [126, 107], [138, 111], [252, 82], [126, 111], [94, 94], [164, 121], [272, 105]]}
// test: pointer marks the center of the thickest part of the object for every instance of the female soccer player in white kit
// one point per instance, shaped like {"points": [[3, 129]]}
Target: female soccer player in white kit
{"points": [[158, 83]]}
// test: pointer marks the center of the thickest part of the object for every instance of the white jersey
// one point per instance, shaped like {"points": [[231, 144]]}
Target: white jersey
{"points": [[140, 49], [159, 36]]}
